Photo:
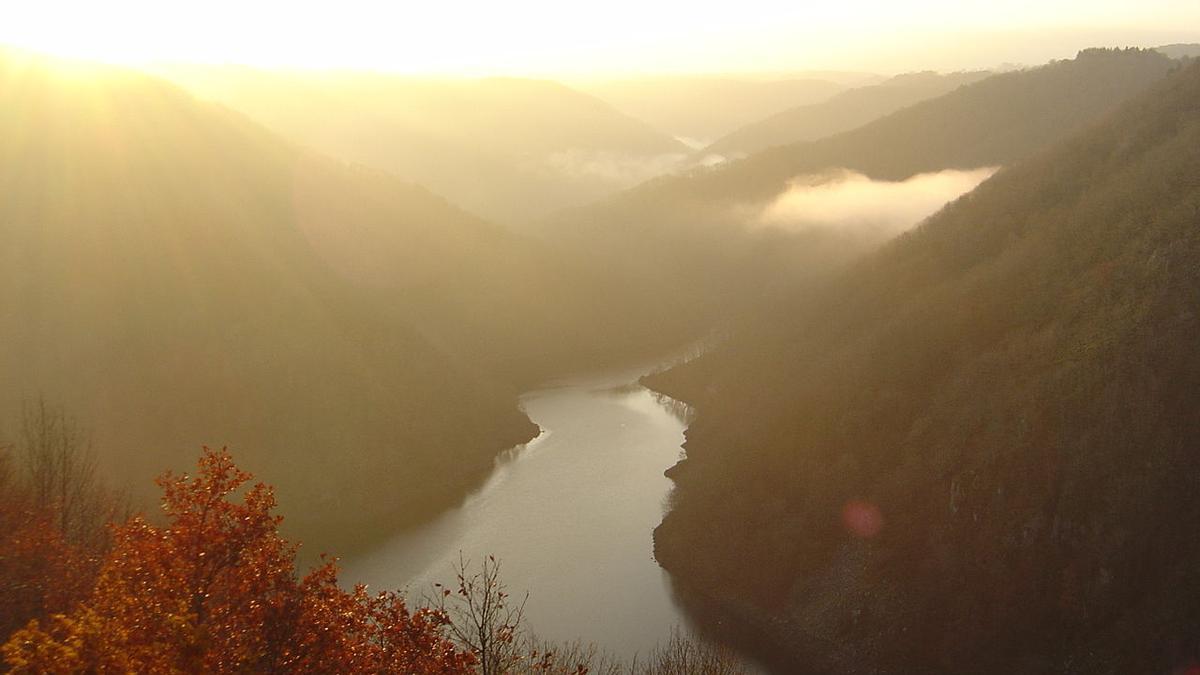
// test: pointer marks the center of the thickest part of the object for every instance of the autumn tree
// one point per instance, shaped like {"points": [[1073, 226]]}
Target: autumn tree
{"points": [[54, 516], [215, 590], [684, 654], [58, 470], [483, 618]]}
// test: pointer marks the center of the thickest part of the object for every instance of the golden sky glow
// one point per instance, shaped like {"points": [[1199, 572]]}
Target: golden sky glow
{"points": [[615, 36]]}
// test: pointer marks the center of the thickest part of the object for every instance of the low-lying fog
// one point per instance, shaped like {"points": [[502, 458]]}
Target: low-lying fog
{"points": [[851, 200]]}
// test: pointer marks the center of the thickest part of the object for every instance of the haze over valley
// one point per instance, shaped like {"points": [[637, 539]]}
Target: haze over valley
{"points": [[654, 340]]}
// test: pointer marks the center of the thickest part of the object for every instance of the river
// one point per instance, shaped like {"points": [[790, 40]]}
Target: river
{"points": [[569, 515]]}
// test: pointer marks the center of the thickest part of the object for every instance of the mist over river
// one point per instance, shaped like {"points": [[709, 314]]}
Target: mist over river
{"points": [[570, 515]]}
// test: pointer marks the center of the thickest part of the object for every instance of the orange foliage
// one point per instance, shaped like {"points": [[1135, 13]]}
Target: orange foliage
{"points": [[41, 573], [215, 590]]}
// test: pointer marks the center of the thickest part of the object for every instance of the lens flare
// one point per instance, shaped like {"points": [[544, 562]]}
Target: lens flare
{"points": [[862, 518]]}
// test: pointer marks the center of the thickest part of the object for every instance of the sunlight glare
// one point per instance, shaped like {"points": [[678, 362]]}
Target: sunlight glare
{"points": [[540, 36]]}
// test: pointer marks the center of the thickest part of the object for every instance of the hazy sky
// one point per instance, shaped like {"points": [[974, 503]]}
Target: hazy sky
{"points": [[544, 37]]}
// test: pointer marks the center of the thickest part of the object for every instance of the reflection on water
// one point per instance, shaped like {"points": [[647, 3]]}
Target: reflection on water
{"points": [[570, 515], [682, 411]]}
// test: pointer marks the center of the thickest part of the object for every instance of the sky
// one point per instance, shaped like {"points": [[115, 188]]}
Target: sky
{"points": [[613, 37]]}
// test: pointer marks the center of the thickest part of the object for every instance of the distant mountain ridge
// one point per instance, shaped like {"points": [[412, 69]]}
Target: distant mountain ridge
{"points": [[692, 239], [506, 149], [844, 111], [1180, 51], [702, 108], [990, 122]]}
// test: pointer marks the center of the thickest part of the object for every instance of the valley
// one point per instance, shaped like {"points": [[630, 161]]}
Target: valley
{"points": [[800, 370]]}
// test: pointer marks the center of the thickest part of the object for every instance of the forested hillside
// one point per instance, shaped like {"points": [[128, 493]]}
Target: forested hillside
{"points": [[851, 338], [697, 242], [847, 110], [506, 149], [974, 451], [994, 121], [174, 275], [1180, 51]]}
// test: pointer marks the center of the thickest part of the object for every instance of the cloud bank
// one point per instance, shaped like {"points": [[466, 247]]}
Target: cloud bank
{"points": [[850, 200]]}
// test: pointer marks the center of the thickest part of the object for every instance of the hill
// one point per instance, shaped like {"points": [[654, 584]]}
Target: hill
{"points": [[1180, 51], [844, 111], [991, 122], [698, 241], [975, 450], [176, 275], [702, 108], [506, 149]]}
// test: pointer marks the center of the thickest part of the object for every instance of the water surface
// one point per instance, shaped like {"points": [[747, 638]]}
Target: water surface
{"points": [[570, 516]]}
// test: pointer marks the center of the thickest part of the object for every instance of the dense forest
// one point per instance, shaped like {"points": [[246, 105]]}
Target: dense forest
{"points": [[973, 451]]}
